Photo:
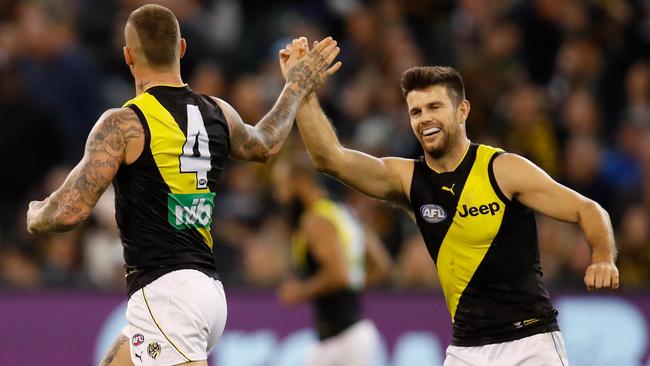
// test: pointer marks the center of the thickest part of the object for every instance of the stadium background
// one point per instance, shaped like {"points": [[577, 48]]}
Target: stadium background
{"points": [[565, 83]]}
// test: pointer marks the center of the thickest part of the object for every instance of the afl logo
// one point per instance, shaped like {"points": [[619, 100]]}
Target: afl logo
{"points": [[137, 339], [432, 213]]}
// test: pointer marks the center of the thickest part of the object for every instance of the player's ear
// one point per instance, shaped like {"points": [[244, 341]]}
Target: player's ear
{"points": [[463, 110], [128, 56], [182, 46]]}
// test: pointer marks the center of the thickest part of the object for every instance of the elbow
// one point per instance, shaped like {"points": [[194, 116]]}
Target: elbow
{"points": [[327, 164], [338, 279], [268, 152], [591, 208]]}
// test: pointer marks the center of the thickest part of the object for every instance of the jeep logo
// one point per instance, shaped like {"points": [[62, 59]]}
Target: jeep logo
{"points": [[432, 213], [491, 208]]}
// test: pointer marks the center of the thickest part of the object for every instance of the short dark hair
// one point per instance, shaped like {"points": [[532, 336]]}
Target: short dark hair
{"points": [[159, 33], [421, 77]]}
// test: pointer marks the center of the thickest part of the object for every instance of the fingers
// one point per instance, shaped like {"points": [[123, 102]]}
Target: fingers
{"points": [[590, 279], [332, 70], [319, 46], [606, 279], [331, 56], [615, 281], [284, 54], [601, 276]]}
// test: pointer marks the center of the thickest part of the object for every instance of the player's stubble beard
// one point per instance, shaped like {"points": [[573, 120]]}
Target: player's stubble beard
{"points": [[449, 137]]}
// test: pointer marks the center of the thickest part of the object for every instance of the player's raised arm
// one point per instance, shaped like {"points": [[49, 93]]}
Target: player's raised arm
{"points": [[307, 70], [520, 179], [383, 178], [116, 138]]}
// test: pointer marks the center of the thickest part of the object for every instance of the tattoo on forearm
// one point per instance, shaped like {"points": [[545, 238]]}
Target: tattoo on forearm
{"points": [[267, 137], [302, 78], [105, 150]]}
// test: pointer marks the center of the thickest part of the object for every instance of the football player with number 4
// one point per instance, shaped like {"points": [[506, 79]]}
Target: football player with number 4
{"points": [[164, 151]]}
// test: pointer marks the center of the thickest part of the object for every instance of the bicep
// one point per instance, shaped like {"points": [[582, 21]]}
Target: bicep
{"points": [[246, 142], [106, 149], [522, 180], [382, 178]]}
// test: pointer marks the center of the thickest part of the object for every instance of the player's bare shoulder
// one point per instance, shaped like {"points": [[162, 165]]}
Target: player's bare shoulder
{"points": [[401, 169], [119, 133]]}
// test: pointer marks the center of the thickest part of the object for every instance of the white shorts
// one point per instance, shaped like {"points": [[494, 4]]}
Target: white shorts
{"points": [[544, 349], [176, 319], [355, 346]]}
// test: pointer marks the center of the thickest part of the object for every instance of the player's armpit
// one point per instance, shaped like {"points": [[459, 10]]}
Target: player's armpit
{"points": [[118, 134]]}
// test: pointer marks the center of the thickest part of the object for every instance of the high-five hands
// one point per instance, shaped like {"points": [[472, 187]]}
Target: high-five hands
{"points": [[308, 69]]}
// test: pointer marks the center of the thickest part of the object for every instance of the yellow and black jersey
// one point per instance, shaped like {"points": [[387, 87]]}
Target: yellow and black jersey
{"points": [[485, 249], [339, 309], [164, 200]]}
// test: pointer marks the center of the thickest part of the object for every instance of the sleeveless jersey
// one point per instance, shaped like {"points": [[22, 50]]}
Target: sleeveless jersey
{"points": [[485, 249], [164, 200], [337, 310]]}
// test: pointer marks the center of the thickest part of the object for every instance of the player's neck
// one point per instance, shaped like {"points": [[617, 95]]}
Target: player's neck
{"points": [[449, 161], [148, 78]]}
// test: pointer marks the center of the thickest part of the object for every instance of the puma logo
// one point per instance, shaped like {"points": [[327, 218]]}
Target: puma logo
{"points": [[449, 189], [139, 356]]}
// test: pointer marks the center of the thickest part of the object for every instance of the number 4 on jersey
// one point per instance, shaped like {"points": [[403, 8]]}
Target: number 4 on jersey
{"points": [[196, 133]]}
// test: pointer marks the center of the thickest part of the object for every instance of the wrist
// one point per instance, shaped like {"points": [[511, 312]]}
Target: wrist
{"points": [[296, 88], [602, 257]]}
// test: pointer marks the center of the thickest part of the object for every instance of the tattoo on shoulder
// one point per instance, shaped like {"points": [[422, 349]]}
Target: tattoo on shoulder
{"points": [[105, 151]]}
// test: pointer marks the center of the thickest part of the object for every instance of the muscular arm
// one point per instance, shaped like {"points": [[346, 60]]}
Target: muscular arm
{"points": [[264, 140], [519, 179], [386, 178], [114, 138]]}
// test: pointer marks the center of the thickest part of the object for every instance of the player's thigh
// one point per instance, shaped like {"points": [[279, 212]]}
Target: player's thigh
{"points": [[119, 354]]}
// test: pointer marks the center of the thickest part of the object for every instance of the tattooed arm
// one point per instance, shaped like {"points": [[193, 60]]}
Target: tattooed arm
{"points": [[116, 138], [307, 71]]}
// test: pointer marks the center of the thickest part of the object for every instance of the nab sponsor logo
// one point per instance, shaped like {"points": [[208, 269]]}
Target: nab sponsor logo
{"points": [[491, 208], [190, 210], [433, 213]]}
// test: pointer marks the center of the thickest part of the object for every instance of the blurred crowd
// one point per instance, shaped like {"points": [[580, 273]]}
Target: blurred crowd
{"points": [[565, 83]]}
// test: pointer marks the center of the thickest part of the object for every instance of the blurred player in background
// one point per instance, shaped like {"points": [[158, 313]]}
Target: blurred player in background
{"points": [[334, 259], [164, 152], [472, 204]]}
